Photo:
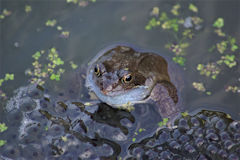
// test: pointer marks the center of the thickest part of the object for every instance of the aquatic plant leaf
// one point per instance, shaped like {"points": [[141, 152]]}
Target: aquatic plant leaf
{"points": [[3, 127], [2, 142], [219, 23], [193, 8]]}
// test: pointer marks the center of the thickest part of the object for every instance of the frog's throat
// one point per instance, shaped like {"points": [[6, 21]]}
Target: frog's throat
{"points": [[135, 95]]}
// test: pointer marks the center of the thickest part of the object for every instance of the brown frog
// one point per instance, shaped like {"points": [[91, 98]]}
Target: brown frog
{"points": [[120, 75]]}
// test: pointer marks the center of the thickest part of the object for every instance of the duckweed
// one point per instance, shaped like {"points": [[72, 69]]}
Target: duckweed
{"points": [[232, 42], [175, 9], [199, 86], [228, 48], [2, 142], [229, 60], [163, 122], [234, 89], [46, 69], [209, 70], [65, 34], [140, 130], [28, 8], [219, 23], [222, 46], [193, 8], [179, 60], [51, 23], [7, 77], [185, 114], [5, 13], [73, 65], [174, 25], [3, 128], [82, 3], [155, 11]]}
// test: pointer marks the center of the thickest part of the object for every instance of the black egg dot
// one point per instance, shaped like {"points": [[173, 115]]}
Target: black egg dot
{"points": [[183, 139], [189, 148], [228, 144], [208, 131], [233, 157], [199, 142], [195, 122], [35, 154], [163, 137], [175, 145], [12, 151], [235, 126], [183, 124], [220, 125], [212, 137], [212, 149], [176, 133], [224, 136], [199, 132], [202, 157], [166, 155], [237, 136], [222, 153]]}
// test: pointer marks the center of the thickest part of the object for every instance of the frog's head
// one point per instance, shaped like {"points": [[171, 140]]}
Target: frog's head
{"points": [[114, 76]]}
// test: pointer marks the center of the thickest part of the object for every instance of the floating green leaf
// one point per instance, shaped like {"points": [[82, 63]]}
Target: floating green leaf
{"points": [[185, 114], [163, 16], [210, 69], [72, 1], [175, 9], [232, 42], [199, 86], [134, 139], [3, 127], [28, 8], [155, 11], [9, 77], [51, 23], [2, 142], [55, 77], [193, 8], [222, 46], [180, 60], [219, 23], [73, 65], [163, 123], [37, 55]]}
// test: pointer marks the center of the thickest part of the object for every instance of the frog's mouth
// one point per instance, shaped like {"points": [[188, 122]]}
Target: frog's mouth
{"points": [[134, 95]]}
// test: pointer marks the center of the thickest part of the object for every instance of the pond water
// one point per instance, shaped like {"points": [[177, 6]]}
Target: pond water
{"points": [[53, 123]]}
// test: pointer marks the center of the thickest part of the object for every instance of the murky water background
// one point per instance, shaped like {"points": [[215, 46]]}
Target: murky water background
{"points": [[92, 28]]}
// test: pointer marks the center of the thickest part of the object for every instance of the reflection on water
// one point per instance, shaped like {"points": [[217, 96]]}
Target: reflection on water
{"points": [[54, 123]]}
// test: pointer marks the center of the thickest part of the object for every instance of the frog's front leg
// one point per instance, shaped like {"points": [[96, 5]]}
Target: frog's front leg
{"points": [[164, 96]]}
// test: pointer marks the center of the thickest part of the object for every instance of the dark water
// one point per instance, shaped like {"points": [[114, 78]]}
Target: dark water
{"points": [[97, 131]]}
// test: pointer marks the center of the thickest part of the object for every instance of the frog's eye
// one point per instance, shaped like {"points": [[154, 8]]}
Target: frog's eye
{"points": [[97, 70], [127, 78]]}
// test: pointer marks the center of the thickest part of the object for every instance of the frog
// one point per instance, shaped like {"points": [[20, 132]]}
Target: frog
{"points": [[121, 74]]}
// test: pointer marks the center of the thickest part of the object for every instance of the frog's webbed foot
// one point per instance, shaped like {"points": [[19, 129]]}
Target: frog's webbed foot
{"points": [[164, 96]]}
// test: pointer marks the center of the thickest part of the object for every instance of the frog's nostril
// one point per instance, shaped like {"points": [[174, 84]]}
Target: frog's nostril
{"points": [[106, 89]]}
